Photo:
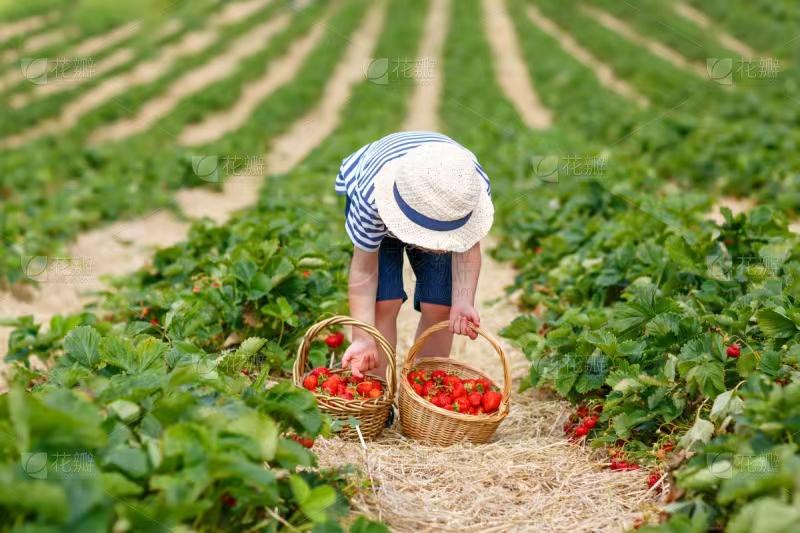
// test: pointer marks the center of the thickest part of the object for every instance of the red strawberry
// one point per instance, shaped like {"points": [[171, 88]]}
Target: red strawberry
{"points": [[581, 431], [306, 273], [438, 375], [429, 388], [461, 405], [364, 387], [475, 398], [734, 350], [375, 393], [491, 401], [305, 441], [321, 371], [310, 382], [334, 340], [418, 388], [653, 478], [154, 321], [458, 391], [227, 500], [451, 380], [590, 422], [583, 411], [196, 289]]}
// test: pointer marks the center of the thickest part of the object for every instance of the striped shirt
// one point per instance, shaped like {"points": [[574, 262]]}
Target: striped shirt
{"points": [[356, 181]]}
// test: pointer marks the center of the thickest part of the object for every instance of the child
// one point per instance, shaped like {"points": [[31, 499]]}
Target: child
{"points": [[422, 193]]}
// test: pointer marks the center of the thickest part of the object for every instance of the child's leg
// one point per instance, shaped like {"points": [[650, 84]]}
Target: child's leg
{"points": [[432, 298], [438, 344], [386, 312]]}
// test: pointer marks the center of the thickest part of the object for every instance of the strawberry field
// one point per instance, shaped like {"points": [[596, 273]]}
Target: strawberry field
{"points": [[170, 232]]}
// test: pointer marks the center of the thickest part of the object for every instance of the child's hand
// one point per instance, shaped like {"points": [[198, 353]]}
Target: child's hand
{"points": [[361, 356], [460, 315]]}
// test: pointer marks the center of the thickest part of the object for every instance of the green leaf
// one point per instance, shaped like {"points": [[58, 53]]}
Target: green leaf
{"points": [[313, 502], [364, 525], [81, 345], [261, 429], [699, 433], [765, 515], [726, 404], [132, 461], [776, 325], [118, 485], [519, 326], [126, 411], [709, 377]]}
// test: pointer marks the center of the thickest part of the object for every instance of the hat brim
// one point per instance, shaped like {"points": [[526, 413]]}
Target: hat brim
{"points": [[457, 240]]}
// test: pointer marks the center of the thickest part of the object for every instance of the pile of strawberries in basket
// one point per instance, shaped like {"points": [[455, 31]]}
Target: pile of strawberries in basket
{"points": [[342, 385], [450, 392]]}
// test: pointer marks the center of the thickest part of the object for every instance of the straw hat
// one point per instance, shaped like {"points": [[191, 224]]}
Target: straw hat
{"points": [[433, 197]]}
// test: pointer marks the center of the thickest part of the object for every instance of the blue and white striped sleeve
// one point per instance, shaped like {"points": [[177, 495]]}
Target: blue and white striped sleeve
{"points": [[363, 224]]}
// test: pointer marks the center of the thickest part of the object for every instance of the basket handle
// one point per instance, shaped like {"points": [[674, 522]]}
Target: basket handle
{"points": [[298, 370], [413, 352]]}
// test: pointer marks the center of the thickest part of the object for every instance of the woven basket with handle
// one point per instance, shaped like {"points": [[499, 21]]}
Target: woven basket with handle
{"points": [[371, 413], [421, 420]]}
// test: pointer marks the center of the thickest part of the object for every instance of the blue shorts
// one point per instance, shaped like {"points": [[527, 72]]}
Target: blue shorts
{"points": [[433, 274]]}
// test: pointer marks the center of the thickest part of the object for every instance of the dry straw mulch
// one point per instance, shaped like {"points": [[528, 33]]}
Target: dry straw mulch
{"points": [[528, 478]]}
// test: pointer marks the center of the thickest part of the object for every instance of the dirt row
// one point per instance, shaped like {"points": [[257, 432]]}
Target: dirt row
{"points": [[87, 49], [194, 81], [603, 72], [9, 30], [699, 18]]}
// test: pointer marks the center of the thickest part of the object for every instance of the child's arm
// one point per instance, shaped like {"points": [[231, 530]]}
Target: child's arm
{"points": [[466, 269], [362, 355]]}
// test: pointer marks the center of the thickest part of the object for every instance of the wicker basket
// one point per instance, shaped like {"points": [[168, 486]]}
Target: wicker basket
{"points": [[371, 413], [426, 422]]}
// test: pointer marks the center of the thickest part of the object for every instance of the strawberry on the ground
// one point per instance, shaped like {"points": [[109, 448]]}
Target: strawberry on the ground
{"points": [[734, 351], [228, 500], [581, 431], [653, 478], [307, 442], [590, 422]]}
